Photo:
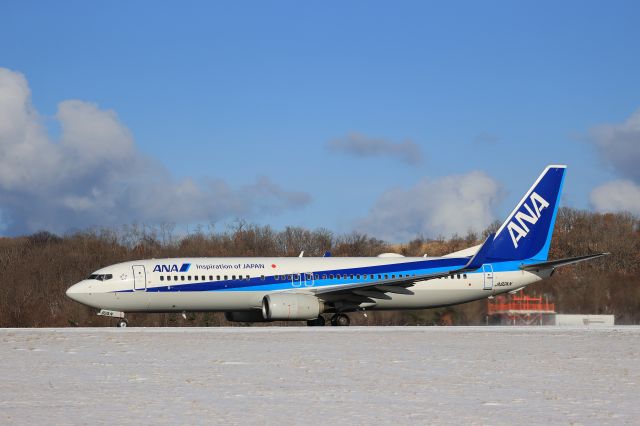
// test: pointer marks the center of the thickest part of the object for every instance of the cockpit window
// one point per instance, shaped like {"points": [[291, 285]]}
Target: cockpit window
{"points": [[100, 277]]}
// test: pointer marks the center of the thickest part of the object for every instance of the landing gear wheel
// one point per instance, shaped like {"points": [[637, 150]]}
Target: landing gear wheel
{"points": [[122, 323], [318, 322], [340, 320]]}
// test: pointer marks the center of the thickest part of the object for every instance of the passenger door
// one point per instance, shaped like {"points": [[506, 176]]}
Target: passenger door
{"points": [[487, 270], [139, 278]]}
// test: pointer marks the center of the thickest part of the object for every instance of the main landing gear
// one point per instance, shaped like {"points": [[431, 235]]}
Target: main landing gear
{"points": [[318, 322], [337, 320], [340, 320], [122, 322]]}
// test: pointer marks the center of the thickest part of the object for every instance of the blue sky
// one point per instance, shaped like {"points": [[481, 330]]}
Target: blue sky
{"points": [[240, 92]]}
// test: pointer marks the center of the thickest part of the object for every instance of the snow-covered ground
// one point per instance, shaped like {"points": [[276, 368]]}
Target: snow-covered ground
{"points": [[406, 375]]}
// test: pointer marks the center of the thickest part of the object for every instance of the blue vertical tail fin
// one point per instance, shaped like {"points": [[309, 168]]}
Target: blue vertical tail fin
{"points": [[526, 234]]}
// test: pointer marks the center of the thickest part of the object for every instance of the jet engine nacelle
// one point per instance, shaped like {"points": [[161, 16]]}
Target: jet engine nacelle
{"points": [[245, 316], [291, 307]]}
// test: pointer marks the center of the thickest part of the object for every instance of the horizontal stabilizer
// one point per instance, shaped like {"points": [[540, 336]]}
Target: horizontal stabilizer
{"points": [[560, 262]]}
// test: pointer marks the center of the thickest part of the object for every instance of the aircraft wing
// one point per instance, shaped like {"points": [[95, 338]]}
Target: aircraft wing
{"points": [[560, 262], [378, 289]]}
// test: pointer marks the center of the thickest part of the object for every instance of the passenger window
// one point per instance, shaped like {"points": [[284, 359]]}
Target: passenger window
{"points": [[226, 277], [351, 277], [324, 276], [233, 277], [330, 276], [464, 276], [161, 277], [262, 277], [204, 278], [195, 278], [308, 276], [248, 277], [168, 277], [393, 276], [379, 277], [182, 277], [458, 276], [189, 279], [358, 276]]}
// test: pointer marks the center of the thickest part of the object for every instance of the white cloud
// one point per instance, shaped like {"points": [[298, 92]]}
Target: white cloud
{"points": [[359, 145], [95, 176], [617, 195], [619, 146], [442, 207]]}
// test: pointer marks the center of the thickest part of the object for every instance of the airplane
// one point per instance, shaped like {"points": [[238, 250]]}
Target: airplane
{"points": [[308, 288]]}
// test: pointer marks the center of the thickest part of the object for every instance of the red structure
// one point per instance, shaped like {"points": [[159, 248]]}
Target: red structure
{"points": [[520, 310]]}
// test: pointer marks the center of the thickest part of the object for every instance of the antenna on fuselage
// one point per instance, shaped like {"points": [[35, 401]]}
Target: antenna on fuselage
{"points": [[301, 254]]}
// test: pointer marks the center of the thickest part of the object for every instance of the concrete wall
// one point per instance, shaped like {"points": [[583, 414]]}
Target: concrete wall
{"points": [[582, 320]]}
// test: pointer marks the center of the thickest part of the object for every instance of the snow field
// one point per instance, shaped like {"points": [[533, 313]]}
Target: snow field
{"points": [[290, 375]]}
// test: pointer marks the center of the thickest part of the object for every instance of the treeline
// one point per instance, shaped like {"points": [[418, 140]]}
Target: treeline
{"points": [[36, 270]]}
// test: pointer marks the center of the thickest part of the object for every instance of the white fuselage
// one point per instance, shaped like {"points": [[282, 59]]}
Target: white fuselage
{"points": [[240, 284]]}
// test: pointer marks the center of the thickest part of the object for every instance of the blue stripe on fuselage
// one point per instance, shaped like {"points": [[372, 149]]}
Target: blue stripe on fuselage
{"points": [[270, 283]]}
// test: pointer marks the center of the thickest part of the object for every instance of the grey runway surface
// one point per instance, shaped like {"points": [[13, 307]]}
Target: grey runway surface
{"points": [[405, 375]]}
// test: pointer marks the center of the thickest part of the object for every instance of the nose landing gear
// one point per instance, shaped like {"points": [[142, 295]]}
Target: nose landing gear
{"points": [[122, 321]]}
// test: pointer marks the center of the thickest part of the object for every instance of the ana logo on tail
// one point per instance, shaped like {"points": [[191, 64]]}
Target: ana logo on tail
{"points": [[520, 230]]}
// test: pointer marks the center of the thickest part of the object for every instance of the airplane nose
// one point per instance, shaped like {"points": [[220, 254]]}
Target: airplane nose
{"points": [[70, 293], [73, 292], [82, 292]]}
